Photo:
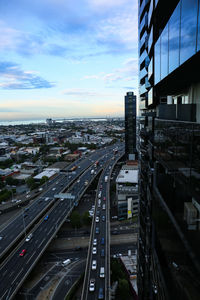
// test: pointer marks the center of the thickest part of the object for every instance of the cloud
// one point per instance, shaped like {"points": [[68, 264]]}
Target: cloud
{"points": [[14, 78], [50, 26], [128, 72], [79, 92]]}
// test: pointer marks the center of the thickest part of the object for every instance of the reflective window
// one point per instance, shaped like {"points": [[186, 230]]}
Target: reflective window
{"points": [[157, 61], [188, 29], [150, 41], [164, 53], [174, 34], [150, 68], [198, 31]]}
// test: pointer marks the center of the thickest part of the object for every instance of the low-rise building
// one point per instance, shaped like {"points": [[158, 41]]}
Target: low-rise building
{"points": [[127, 191]]}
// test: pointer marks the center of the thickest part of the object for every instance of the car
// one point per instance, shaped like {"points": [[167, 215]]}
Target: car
{"points": [[29, 237], [102, 253], [17, 201], [28, 196], [114, 232], [103, 218], [104, 207], [78, 248], [46, 199], [94, 242], [94, 265], [46, 218], [53, 189], [40, 189], [102, 241], [92, 285], [94, 250], [61, 199], [23, 252], [97, 230], [98, 212], [104, 198], [1, 237], [101, 293], [100, 186], [97, 219]]}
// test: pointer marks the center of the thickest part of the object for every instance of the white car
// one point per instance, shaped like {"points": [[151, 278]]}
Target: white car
{"points": [[94, 250], [92, 285], [53, 189], [97, 219], [95, 242], [46, 199], [94, 265], [29, 237]]}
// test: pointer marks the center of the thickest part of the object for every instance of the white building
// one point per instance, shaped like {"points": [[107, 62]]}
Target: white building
{"points": [[127, 191]]}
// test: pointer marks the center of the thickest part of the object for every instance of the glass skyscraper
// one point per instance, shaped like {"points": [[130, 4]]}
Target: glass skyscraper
{"points": [[169, 149], [130, 125]]}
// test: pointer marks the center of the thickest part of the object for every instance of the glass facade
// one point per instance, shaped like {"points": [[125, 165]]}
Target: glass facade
{"points": [[157, 61], [174, 39], [188, 29], [130, 123], [164, 53], [179, 40]]}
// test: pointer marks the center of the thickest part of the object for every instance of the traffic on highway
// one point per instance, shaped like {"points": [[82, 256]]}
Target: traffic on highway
{"points": [[46, 215]]}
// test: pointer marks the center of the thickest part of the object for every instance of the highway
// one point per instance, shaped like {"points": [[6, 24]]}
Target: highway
{"points": [[16, 268], [26, 218], [100, 240]]}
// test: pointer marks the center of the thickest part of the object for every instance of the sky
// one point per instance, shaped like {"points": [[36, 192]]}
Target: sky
{"points": [[64, 58]]}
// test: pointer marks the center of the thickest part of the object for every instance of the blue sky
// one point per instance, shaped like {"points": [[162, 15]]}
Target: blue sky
{"points": [[64, 58]]}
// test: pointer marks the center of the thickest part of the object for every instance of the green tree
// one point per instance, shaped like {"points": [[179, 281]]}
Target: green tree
{"points": [[86, 218], [43, 180], [11, 181], [123, 289], [75, 219]]}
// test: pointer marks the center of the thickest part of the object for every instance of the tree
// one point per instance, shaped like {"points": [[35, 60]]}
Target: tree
{"points": [[86, 218], [43, 180], [31, 183], [11, 181], [123, 289], [75, 219]]}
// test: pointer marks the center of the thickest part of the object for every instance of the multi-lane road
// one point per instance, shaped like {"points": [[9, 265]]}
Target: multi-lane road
{"points": [[16, 267], [97, 276]]}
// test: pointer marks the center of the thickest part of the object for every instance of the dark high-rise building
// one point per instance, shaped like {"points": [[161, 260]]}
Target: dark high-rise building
{"points": [[130, 126], [169, 149]]}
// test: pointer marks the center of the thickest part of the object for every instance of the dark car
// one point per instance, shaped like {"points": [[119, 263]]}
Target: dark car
{"points": [[103, 218], [46, 218], [102, 252], [78, 248], [102, 241], [97, 230], [101, 293]]}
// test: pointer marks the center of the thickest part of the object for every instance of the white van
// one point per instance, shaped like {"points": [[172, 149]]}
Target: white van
{"points": [[102, 273], [66, 262]]}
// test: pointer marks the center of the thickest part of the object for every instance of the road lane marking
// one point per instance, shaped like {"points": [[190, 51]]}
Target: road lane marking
{"points": [[30, 258], [41, 243]]}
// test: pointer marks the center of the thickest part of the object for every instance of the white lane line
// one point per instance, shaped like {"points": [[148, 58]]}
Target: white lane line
{"points": [[18, 275], [4, 294], [41, 243], [30, 257]]}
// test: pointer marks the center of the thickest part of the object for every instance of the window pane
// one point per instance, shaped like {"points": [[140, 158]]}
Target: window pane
{"points": [[188, 29], [164, 53], [174, 35], [157, 61]]}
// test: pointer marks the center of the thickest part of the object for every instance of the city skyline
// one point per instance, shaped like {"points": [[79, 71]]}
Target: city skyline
{"points": [[58, 60]]}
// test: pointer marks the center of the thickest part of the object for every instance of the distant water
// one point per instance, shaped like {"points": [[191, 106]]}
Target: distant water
{"points": [[26, 122]]}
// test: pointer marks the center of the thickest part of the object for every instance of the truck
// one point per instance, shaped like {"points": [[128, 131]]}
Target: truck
{"points": [[106, 178]]}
